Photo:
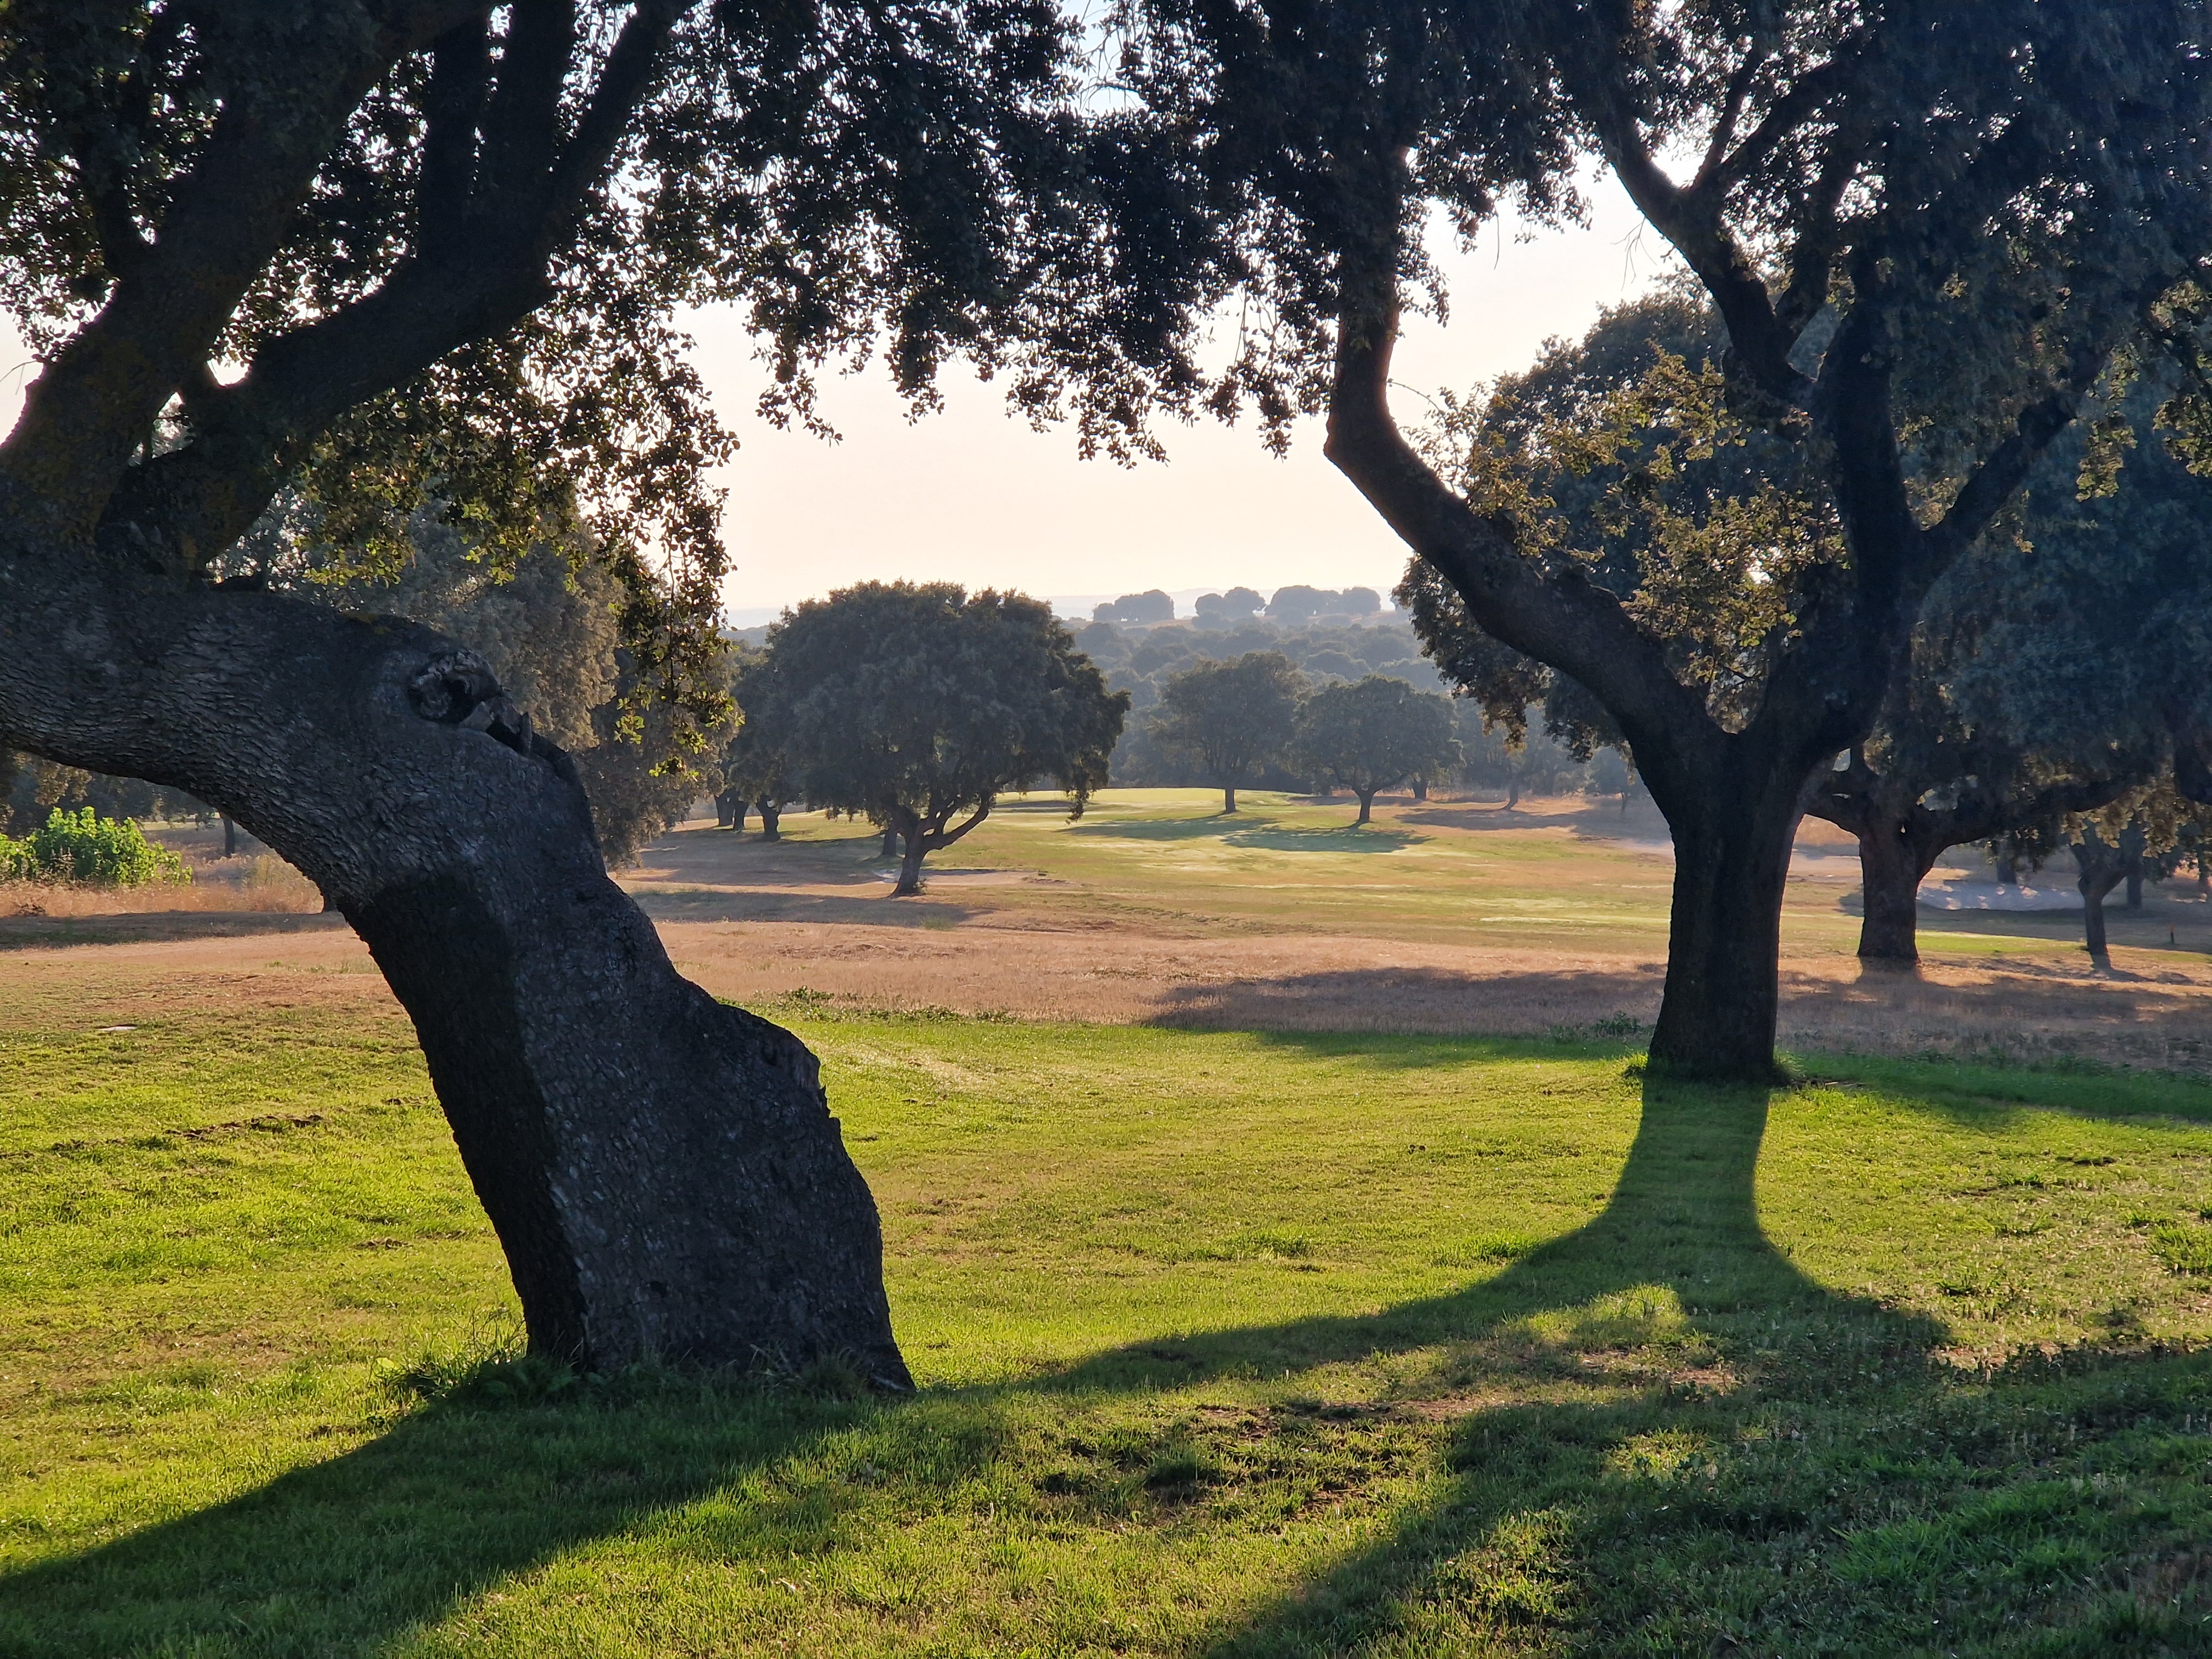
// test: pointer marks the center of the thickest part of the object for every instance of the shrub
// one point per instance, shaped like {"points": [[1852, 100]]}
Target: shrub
{"points": [[83, 847]]}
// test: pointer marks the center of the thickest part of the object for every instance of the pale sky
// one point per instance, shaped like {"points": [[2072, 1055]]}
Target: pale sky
{"points": [[972, 495]]}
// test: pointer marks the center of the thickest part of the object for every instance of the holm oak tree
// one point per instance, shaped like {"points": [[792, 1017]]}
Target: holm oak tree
{"points": [[382, 252], [1925, 228]]}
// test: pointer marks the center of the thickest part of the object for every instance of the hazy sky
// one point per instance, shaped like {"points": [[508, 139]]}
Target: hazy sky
{"points": [[972, 495]]}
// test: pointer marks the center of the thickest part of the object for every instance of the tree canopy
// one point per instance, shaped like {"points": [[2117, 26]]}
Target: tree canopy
{"points": [[917, 704], [381, 252], [1926, 233], [1373, 734]]}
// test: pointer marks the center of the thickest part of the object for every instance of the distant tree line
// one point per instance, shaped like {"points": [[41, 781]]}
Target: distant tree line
{"points": [[1292, 606]]}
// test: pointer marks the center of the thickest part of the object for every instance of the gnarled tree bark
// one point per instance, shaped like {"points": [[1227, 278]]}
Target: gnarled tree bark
{"points": [[663, 1171]]}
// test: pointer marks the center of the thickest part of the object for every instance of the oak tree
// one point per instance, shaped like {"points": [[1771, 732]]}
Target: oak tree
{"points": [[1925, 229], [389, 250], [1230, 720], [1373, 734], [917, 706]]}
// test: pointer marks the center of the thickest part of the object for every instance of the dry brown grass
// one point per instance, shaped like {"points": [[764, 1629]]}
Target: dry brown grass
{"points": [[257, 883], [1177, 945]]}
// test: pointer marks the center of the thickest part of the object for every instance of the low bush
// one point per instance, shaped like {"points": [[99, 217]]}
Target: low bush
{"points": [[83, 847]]}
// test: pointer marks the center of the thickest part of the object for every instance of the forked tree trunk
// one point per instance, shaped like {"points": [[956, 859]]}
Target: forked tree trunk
{"points": [[1890, 872], [1716, 1017], [663, 1171], [1366, 806]]}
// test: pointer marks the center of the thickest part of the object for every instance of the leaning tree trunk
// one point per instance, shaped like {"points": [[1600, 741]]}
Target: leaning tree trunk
{"points": [[662, 1170], [1890, 873], [1732, 842]]}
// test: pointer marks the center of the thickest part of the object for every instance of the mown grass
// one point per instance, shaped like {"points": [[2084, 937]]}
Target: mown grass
{"points": [[1229, 1345], [1558, 874]]}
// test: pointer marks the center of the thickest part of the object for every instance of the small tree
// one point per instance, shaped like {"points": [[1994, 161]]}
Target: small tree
{"points": [[913, 705], [1231, 720], [1374, 733]]}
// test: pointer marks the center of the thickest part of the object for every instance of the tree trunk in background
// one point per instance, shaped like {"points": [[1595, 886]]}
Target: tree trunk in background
{"points": [[1228, 797], [1512, 792], [771, 815], [1420, 789], [1890, 872], [1717, 1016], [2008, 870], [229, 837], [2135, 879], [2103, 867], [917, 845], [890, 842], [662, 1170], [737, 810], [1366, 806]]}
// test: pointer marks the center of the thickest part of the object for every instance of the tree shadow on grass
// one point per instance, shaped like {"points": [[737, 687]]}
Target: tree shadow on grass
{"points": [[348, 1555]]}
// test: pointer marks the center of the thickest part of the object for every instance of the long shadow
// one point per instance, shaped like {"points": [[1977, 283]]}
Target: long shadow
{"points": [[348, 1554], [1681, 1227], [1443, 1001], [1240, 831], [876, 909]]}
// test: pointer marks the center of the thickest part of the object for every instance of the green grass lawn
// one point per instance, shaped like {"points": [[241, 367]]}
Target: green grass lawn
{"points": [[1229, 1345]]}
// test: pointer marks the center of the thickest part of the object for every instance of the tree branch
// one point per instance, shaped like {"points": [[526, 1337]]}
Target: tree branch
{"points": [[1690, 220], [1557, 615], [100, 395], [460, 75], [947, 837], [194, 501]]}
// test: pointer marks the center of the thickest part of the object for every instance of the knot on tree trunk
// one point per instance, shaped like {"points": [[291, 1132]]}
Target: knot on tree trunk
{"points": [[458, 689]]}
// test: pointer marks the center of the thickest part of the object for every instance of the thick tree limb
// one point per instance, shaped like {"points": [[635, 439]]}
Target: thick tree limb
{"points": [[1557, 615], [185, 506]]}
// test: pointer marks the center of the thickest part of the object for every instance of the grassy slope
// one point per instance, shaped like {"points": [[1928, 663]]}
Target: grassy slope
{"points": [[1231, 1344]]}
